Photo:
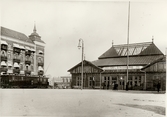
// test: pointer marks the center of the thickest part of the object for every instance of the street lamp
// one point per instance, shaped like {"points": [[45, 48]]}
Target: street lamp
{"points": [[79, 46]]}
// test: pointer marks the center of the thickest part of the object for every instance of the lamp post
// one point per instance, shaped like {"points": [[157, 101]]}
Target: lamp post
{"points": [[79, 46]]}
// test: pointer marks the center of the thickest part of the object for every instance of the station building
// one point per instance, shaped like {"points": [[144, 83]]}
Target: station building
{"points": [[22, 58], [147, 67]]}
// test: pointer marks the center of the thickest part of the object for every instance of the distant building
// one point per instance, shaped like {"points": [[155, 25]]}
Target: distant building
{"points": [[63, 82], [21, 57], [147, 67]]}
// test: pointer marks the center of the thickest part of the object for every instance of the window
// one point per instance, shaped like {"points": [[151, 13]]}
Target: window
{"points": [[78, 81]]}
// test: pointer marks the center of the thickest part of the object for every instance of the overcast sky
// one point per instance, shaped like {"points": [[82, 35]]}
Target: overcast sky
{"points": [[62, 24]]}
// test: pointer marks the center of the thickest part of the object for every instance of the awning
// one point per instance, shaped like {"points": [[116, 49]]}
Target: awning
{"points": [[40, 68], [16, 45], [27, 65], [3, 63], [32, 49], [27, 48], [40, 52], [4, 42], [22, 47], [16, 65], [2, 73]]}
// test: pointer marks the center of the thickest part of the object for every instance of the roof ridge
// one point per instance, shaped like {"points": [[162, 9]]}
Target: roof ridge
{"points": [[133, 44]]}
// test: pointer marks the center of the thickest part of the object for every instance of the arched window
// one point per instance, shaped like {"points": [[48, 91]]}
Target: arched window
{"points": [[3, 53]]}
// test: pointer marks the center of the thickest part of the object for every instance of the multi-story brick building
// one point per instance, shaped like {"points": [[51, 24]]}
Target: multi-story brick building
{"points": [[21, 55], [147, 67]]}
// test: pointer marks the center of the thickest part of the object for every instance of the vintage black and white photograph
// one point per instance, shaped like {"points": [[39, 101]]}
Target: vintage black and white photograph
{"points": [[82, 58]]}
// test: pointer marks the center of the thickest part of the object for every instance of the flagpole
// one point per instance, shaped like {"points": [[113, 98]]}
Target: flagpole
{"points": [[128, 48]]}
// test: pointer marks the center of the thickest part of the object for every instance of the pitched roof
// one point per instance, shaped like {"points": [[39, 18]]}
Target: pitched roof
{"points": [[136, 49], [163, 58], [14, 34], [79, 64], [122, 61]]}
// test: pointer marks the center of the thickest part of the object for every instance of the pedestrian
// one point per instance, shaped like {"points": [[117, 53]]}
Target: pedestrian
{"points": [[158, 86]]}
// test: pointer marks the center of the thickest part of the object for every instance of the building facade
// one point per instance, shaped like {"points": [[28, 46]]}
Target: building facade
{"points": [[21, 55], [110, 70], [63, 82]]}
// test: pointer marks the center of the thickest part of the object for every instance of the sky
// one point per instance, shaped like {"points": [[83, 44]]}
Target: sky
{"points": [[62, 23]]}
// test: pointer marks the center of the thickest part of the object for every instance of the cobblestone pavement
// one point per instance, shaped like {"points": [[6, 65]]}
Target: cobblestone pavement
{"points": [[80, 103]]}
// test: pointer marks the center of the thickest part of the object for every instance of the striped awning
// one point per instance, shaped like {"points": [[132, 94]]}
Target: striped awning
{"points": [[16, 45], [4, 42], [16, 65], [40, 68], [3, 63]]}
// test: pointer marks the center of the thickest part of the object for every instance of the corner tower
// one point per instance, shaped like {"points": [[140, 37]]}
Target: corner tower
{"points": [[39, 55]]}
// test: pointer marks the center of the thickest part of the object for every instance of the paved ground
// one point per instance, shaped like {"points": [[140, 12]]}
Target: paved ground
{"points": [[80, 103]]}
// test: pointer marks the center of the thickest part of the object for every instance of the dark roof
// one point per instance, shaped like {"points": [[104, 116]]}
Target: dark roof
{"points": [[163, 58], [136, 49], [122, 61], [79, 64], [15, 34]]}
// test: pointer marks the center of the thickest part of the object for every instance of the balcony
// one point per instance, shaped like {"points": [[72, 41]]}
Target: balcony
{"points": [[3, 69], [16, 60], [40, 72], [3, 58], [28, 62], [27, 72], [16, 71], [40, 64]]}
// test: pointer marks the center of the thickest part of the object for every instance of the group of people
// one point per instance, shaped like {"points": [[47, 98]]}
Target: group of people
{"points": [[107, 86], [115, 86]]}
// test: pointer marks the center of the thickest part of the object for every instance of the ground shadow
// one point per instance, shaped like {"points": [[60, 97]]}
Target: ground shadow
{"points": [[156, 109]]}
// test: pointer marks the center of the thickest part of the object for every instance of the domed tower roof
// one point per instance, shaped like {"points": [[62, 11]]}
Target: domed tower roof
{"points": [[34, 36], [34, 31]]}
